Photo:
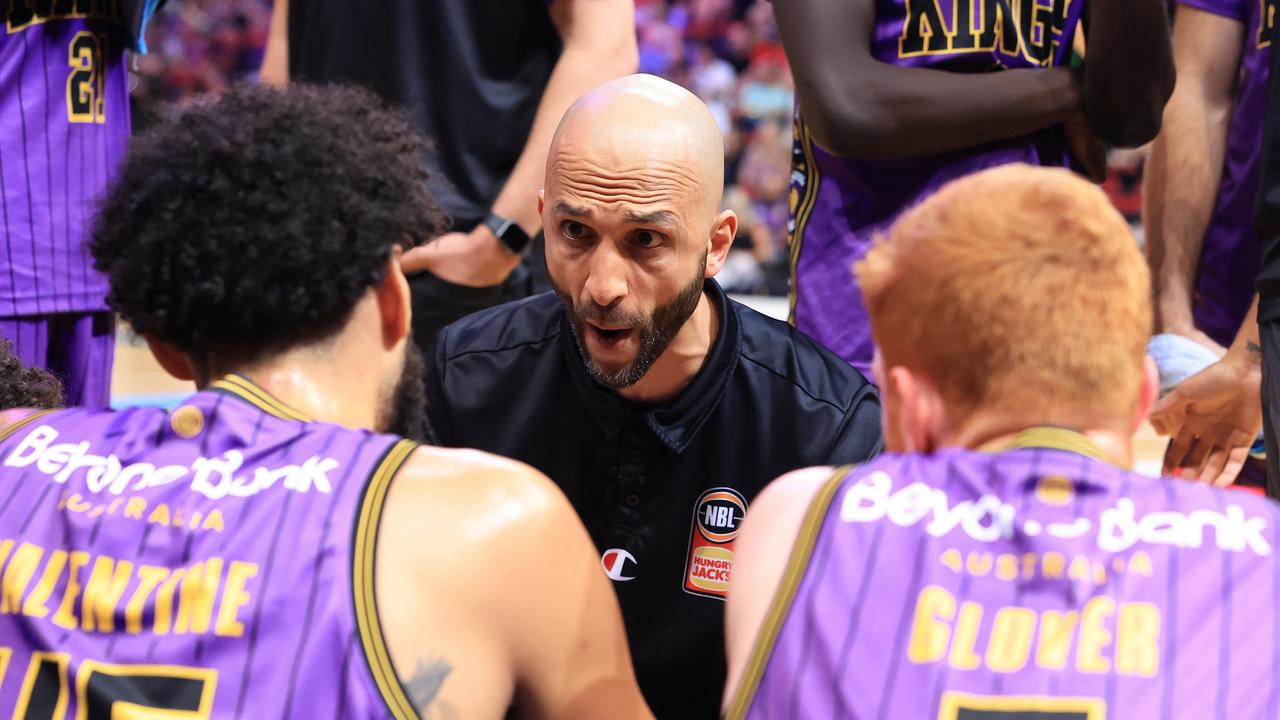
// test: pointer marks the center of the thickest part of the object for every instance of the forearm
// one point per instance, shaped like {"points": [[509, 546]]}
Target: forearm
{"points": [[577, 71], [1247, 345], [1129, 72], [1181, 184], [275, 60], [856, 106], [886, 111]]}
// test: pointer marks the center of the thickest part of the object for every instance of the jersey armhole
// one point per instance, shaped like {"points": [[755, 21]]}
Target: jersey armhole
{"points": [[14, 427], [363, 556], [792, 574]]}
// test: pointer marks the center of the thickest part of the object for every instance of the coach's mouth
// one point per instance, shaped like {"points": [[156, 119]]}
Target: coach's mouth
{"points": [[608, 339]]}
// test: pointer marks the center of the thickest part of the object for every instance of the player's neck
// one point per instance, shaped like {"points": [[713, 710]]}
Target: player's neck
{"points": [[322, 385], [683, 358], [994, 432]]}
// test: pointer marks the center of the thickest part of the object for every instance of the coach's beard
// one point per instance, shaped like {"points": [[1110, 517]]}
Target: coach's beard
{"points": [[654, 333], [403, 410]]}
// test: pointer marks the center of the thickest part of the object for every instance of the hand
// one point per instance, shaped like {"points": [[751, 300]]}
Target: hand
{"points": [[474, 259], [1088, 152], [1214, 417]]}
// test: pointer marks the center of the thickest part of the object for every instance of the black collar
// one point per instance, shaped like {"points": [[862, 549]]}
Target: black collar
{"points": [[677, 421]]}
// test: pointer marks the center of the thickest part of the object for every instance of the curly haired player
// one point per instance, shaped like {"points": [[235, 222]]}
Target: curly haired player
{"points": [[265, 547]]}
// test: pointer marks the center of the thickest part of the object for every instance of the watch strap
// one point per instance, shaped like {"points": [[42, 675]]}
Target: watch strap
{"points": [[511, 235]]}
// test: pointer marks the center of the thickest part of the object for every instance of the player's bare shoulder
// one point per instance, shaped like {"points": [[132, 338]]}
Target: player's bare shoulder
{"points": [[466, 478], [10, 418], [476, 501]]}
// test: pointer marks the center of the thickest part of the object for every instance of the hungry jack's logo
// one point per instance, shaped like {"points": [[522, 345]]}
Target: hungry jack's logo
{"points": [[717, 518]]}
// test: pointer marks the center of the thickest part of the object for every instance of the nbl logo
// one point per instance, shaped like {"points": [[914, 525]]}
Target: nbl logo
{"points": [[720, 513]]}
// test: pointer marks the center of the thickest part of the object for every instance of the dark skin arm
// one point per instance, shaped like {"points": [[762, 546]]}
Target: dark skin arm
{"points": [[857, 106], [1129, 74]]}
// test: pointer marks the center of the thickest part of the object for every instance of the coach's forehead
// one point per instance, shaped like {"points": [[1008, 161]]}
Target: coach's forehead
{"points": [[638, 140]]}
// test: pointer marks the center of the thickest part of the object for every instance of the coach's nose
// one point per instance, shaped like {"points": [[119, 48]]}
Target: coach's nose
{"points": [[607, 274]]}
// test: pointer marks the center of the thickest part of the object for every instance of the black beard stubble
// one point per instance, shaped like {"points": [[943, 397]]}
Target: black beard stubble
{"points": [[655, 332]]}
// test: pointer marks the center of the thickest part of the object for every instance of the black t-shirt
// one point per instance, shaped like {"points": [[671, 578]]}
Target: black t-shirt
{"points": [[470, 73], [1266, 215], [662, 490]]}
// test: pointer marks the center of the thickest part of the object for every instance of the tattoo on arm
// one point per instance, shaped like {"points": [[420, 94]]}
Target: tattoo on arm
{"points": [[1254, 348], [424, 685]]}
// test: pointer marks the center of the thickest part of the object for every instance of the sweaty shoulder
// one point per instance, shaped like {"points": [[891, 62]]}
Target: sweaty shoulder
{"points": [[9, 417], [505, 327], [774, 349], [486, 497]]}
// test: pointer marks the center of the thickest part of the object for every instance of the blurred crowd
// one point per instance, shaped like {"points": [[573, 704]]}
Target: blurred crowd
{"points": [[197, 47], [725, 51]]}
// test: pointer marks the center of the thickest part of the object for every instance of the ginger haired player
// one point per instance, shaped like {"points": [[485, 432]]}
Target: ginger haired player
{"points": [[999, 560]]}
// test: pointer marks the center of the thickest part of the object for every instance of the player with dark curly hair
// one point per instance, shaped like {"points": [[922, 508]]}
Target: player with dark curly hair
{"points": [[254, 242], [22, 385]]}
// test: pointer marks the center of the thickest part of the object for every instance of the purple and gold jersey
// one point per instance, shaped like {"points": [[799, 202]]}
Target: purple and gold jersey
{"points": [[837, 205], [216, 561], [1035, 582], [1229, 258], [64, 111]]}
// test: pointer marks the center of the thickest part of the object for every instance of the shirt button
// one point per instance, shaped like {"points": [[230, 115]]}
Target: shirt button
{"points": [[633, 500]]}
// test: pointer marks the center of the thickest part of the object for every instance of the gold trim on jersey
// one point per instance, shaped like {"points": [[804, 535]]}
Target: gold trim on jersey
{"points": [[792, 574], [363, 552], [12, 428], [804, 209], [245, 389], [1051, 438]]}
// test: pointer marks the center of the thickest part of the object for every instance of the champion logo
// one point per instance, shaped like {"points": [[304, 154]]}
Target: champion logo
{"points": [[615, 562]]}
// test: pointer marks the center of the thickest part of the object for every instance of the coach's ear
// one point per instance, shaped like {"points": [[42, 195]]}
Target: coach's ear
{"points": [[394, 302], [723, 231], [174, 361], [1148, 392]]}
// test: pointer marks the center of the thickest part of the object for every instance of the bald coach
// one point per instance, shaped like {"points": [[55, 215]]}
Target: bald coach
{"points": [[660, 406]]}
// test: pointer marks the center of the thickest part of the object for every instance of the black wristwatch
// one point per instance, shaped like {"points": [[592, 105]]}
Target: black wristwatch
{"points": [[513, 237]]}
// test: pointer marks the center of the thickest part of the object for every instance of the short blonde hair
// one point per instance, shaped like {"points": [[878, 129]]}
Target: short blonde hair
{"points": [[1019, 289]]}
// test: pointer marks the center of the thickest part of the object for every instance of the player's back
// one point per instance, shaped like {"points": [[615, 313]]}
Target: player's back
{"points": [[216, 561], [1035, 581]]}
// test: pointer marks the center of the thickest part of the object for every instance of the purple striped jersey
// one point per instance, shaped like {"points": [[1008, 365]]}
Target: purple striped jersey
{"points": [[1036, 582], [216, 561], [64, 111], [839, 204]]}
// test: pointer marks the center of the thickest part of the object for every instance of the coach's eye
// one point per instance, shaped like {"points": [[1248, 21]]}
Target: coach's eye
{"points": [[574, 230], [648, 239]]}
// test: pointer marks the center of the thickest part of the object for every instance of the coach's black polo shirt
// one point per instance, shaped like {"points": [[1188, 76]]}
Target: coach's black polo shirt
{"points": [[1266, 211], [662, 490]]}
